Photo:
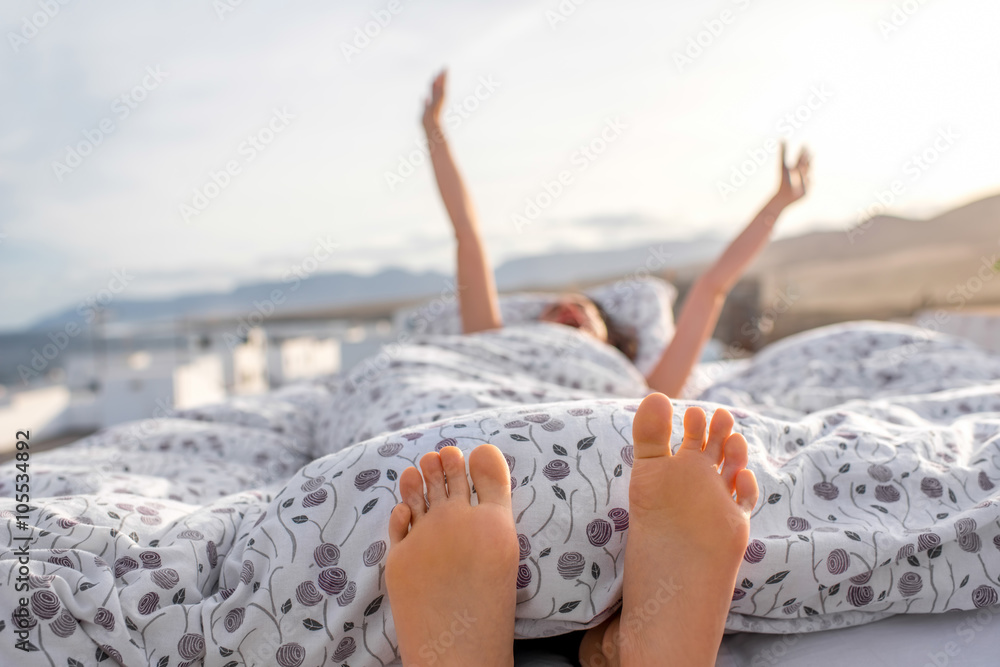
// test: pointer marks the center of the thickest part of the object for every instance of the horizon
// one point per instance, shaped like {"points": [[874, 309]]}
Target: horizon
{"points": [[539, 87]]}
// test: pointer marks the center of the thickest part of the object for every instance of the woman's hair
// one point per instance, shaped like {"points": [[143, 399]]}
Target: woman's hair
{"points": [[621, 337]]}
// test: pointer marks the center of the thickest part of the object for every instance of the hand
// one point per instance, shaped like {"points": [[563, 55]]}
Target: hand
{"points": [[794, 181], [433, 104]]}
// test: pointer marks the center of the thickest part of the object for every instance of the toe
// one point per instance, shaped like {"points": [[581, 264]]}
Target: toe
{"points": [[430, 465], [746, 490], [720, 429], [454, 470], [652, 426], [399, 523], [490, 475], [695, 422], [735, 453], [411, 488]]}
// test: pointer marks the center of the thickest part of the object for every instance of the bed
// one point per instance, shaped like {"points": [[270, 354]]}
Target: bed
{"points": [[253, 532]]}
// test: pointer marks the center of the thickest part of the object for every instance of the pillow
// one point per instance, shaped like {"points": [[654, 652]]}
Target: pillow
{"points": [[645, 305]]}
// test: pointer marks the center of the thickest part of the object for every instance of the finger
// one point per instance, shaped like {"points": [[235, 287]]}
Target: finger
{"points": [[784, 152], [804, 159]]}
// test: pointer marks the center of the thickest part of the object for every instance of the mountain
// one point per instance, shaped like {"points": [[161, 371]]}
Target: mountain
{"points": [[327, 291]]}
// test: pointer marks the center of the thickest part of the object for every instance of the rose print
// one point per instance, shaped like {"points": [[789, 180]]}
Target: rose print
{"points": [[797, 524], [826, 490], [326, 555], [859, 596], [838, 561], [234, 619], [366, 479], [63, 625], [599, 532], [619, 516], [191, 646], [571, 565], [290, 655], [374, 553], [332, 580], [927, 541], [556, 470], [984, 596], [166, 578], [755, 552], [307, 595], [345, 649], [105, 619], [931, 487], [523, 576], [523, 547], [909, 584], [879, 472]]}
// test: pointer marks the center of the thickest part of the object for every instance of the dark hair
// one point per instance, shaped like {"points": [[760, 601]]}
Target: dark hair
{"points": [[621, 337]]}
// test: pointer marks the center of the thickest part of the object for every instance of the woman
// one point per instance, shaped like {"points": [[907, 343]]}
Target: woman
{"points": [[479, 304], [451, 566]]}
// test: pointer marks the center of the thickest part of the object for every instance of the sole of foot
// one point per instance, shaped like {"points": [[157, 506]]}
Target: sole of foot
{"points": [[689, 522], [452, 567]]}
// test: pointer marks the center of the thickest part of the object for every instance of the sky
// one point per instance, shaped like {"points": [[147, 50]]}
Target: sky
{"points": [[194, 145]]}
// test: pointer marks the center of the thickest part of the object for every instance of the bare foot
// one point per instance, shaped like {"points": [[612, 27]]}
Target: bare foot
{"points": [[452, 568], [687, 535]]}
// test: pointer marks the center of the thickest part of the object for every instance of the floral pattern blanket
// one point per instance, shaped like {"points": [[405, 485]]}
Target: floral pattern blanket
{"points": [[254, 532]]}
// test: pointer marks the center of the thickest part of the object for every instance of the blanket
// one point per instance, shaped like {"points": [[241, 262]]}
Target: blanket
{"points": [[254, 532]]}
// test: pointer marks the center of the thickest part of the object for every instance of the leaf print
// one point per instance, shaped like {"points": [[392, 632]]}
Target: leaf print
{"points": [[778, 577], [834, 589], [618, 470], [312, 624], [586, 443], [952, 497], [935, 552], [914, 561], [560, 450], [559, 492], [746, 583], [852, 535], [844, 468], [518, 437], [569, 606], [860, 488], [287, 606], [302, 518], [369, 506], [348, 626], [545, 552], [288, 503], [179, 596], [373, 606], [391, 474], [773, 498], [964, 582], [595, 571]]}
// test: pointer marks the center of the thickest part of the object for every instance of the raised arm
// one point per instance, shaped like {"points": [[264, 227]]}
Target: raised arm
{"points": [[704, 302], [477, 292]]}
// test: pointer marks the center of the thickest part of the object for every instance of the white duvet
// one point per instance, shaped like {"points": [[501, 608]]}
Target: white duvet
{"points": [[254, 532]]}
